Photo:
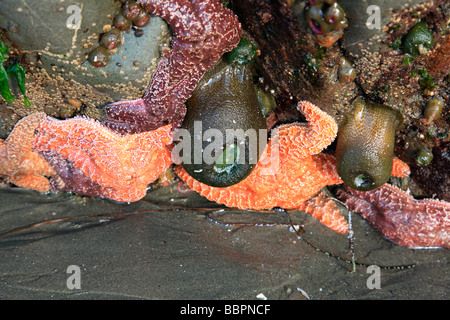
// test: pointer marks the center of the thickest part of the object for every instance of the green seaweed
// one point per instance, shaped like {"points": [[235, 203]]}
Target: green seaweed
{"points": [[3, 52], [406, 61], [15, 70], [4, 85], [426, 81], [18, 72]]}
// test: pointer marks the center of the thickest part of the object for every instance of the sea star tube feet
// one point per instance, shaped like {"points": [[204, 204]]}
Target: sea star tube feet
{"points": [[94, 160], [18, 163], [401, 218], [204, 30]]}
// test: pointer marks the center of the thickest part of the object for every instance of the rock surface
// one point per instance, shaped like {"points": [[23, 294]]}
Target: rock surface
{"points": [[51, 42]]}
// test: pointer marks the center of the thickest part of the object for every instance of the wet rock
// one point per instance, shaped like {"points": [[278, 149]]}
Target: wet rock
{"points": [[147, 251], [51, 42], [7, 121], [376, 49], [364, 40], [358, 34]]}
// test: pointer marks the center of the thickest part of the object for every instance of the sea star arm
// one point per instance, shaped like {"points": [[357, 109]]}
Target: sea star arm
{"points": [[309, 138], [18, 163], [204, 30], [141, 115], [399, 168], [71, 178], [93, 160], [19, 142], [31, 181], [401, 218], [324, 209]]}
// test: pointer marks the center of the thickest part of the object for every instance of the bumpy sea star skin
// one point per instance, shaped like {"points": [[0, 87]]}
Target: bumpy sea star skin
{"points": [[71, 178], [18, 163], [204, 30], [94, 160], [399, 168], [401, 218], [301, 173]]}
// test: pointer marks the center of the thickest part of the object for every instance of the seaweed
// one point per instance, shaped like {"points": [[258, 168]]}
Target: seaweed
{"points": [[13, 70]]}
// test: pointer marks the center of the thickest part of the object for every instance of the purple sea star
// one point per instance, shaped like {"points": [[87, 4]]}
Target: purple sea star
{"points": [[401, 218], [204, 30]]}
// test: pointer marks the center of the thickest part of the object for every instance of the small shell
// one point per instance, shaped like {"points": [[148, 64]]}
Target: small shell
{"points": [[346, 71], [99, 57], [122, 23], [266, 101], [111, 39], [67, 111], [142, 18], [433, 109], [423, 157], [130, 10]]}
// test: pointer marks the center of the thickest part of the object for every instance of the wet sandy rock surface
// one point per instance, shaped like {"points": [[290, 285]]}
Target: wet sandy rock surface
{"points": [[64, 52], [155, 249], [58, 73]]}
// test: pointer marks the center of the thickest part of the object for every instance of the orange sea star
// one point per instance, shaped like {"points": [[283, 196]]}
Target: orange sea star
{"points": [[104, 163], [302, 171], [18, 163]]}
